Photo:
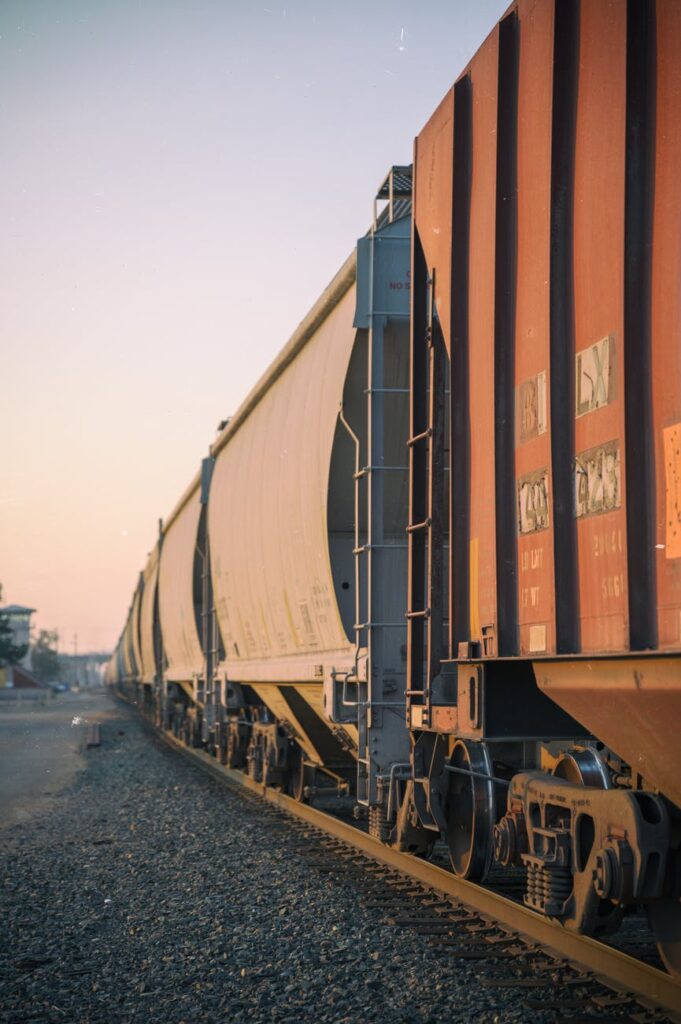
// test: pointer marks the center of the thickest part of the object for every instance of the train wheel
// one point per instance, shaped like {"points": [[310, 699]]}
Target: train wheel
{"points": [[221, 743], [254, 770], [298, 778], [583, 767], [470, 810], [234, 753]]}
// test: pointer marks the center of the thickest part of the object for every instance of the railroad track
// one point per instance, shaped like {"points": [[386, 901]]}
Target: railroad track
{"points": [[591, 980]]}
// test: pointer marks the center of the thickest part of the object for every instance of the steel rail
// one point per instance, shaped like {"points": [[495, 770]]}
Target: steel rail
{"points": [[604, 963]]}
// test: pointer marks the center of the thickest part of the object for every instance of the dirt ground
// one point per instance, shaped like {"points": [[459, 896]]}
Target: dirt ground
{"points": [[40, 750]]}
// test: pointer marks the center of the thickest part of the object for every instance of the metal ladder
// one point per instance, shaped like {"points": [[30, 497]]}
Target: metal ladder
{"points": [[372, 700], [425, 532], [210, 636], [209, 628]]}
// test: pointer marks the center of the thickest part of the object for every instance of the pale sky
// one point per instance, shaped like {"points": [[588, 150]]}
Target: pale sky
{"points": [[180, 181]]}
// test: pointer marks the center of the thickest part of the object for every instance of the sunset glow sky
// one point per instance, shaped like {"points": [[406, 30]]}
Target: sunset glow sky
{"points": [[180, 181]]}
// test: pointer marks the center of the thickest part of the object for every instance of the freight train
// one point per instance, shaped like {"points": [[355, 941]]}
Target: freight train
{"points": [[434, 560]]}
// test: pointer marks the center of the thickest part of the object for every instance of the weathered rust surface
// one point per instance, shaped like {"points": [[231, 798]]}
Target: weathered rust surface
{"points": [[433, 204], [484, 74], [632, 705], [588, 449], [666, 323], [599, 299], [533, 434]]}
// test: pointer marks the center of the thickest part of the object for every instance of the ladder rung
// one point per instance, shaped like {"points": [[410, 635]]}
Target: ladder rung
{"points": [[389, 312], [424, 613], [413, 527], [384, 547], [375, 625], [379, 469], [417, 438], [386, 391]]}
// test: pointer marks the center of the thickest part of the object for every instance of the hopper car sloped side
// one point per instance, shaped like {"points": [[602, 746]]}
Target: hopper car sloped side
{"points": [[546, 311], [276, 651], [284, 538], [188, 640], [118, 671], [149, 625], [177, 597], [128, 652], [271, 572], [150, 666], [268, 515], [135, 622]]}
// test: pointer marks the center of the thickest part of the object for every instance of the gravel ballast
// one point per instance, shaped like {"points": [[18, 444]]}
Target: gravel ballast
{"points": [[150, 892]]}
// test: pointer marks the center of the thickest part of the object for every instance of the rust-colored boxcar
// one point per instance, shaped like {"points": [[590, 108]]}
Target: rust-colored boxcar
{"points": [[548, 212], [546, 400]]}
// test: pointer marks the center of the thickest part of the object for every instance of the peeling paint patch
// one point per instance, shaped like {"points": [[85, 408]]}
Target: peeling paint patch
{"points": [[531, 408], [533, 502], [598, 480], [595, 382], [672, 472]]}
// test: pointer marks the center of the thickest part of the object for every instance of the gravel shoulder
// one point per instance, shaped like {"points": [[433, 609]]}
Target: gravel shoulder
{"points": [[148, 892]]}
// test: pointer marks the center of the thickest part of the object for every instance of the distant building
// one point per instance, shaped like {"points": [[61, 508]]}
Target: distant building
{"points": [[19, 619], [84, 670]]}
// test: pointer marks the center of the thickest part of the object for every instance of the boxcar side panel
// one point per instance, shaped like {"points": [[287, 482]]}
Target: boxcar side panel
{"points": [[666, 323], [433, 204], [599, 357], [532, 371], [483, 596]]}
